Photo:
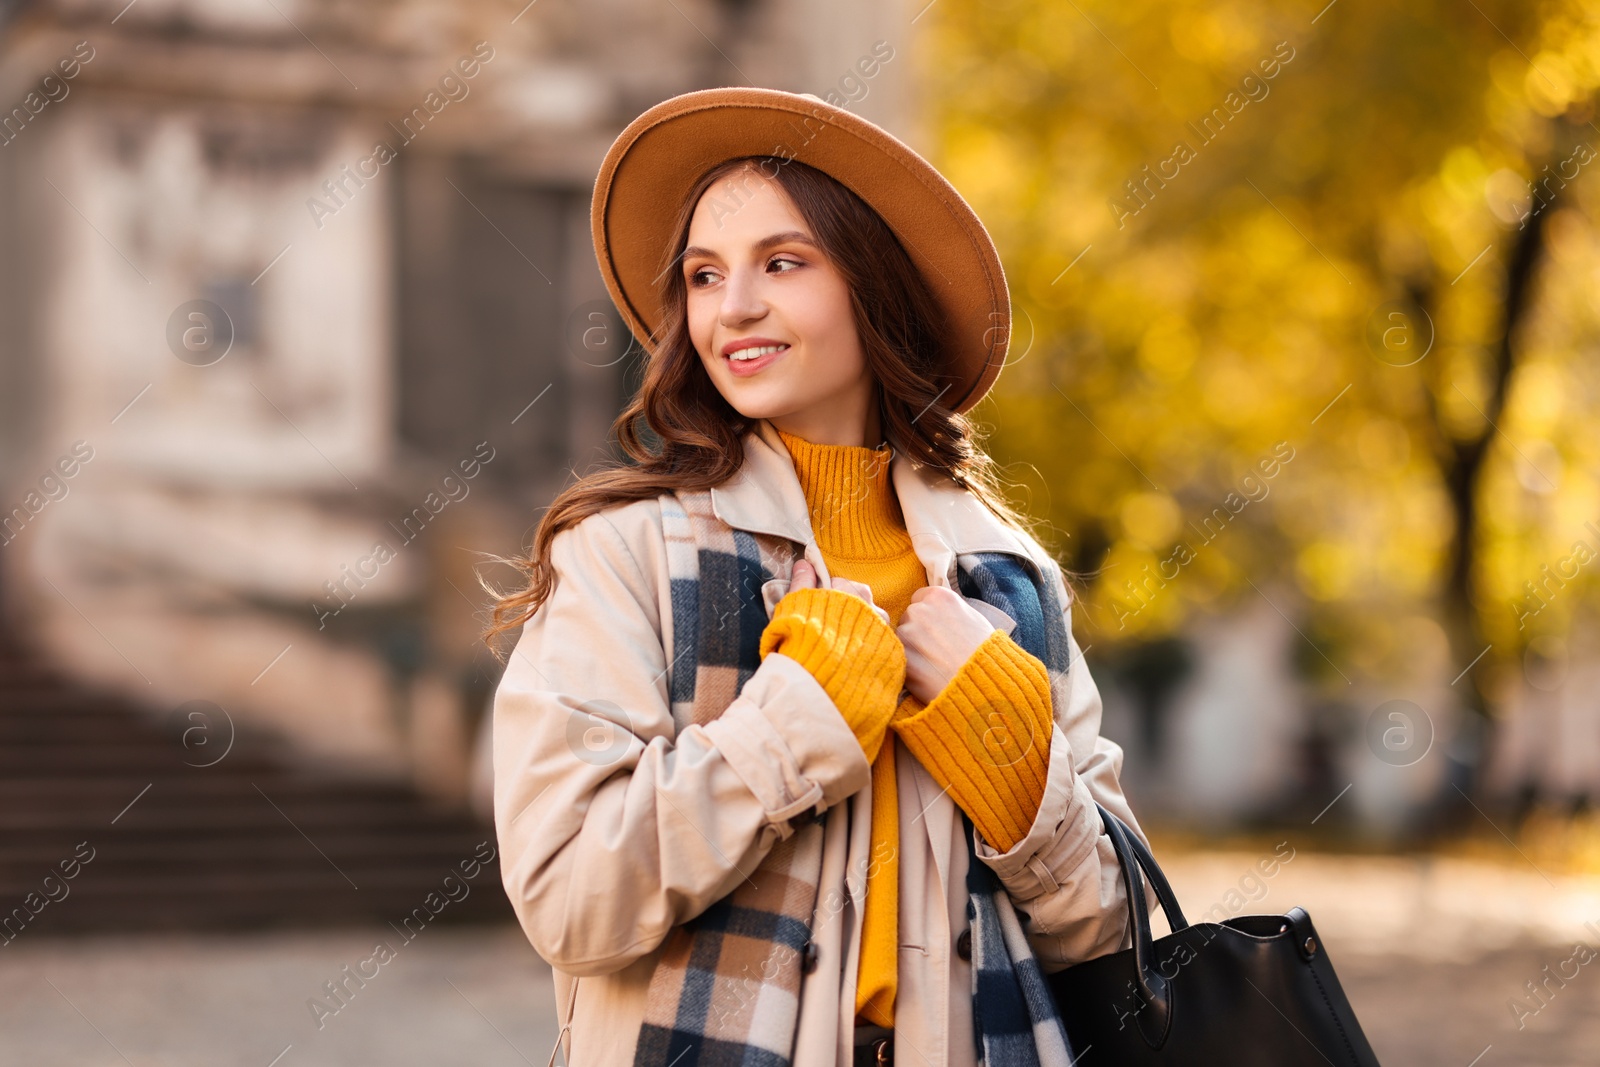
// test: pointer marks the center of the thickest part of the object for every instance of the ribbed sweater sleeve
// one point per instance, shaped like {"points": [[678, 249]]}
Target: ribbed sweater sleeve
{"points": [[986, 737], [849, 650]]}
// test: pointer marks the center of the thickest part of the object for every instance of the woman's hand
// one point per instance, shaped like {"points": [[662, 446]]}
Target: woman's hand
{"points": [[940, 631], [805, 577]]}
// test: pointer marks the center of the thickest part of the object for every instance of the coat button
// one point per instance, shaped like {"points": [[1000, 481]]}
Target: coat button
{"points": [[964, 944], [808, 957]]}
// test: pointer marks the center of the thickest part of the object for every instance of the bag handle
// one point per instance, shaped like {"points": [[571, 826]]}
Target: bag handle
{"points": [[1154, 1016], [1158, 880]]}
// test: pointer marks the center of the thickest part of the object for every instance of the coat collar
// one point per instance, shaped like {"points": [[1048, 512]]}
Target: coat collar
{"points": [[943, 519]]}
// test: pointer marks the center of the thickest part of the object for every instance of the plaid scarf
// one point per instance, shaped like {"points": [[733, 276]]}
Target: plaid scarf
{"points": [[727, 987], [1013, 1011]]}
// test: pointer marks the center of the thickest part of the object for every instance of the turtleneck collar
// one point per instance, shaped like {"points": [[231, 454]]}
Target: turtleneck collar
{"points": [[855, 513]]}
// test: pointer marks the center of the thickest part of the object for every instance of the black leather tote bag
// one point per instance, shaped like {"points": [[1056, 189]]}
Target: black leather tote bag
{"points": [[1253, 991]]}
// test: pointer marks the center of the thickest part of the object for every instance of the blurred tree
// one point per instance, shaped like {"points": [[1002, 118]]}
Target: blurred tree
{"points": [[1286, 310]]}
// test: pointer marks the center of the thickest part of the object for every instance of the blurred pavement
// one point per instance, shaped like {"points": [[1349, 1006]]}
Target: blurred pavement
{"points": [[1431, 950], [454, 995]]}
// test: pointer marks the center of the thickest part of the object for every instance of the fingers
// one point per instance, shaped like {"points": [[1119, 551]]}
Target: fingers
{"points": [[804, 577]]}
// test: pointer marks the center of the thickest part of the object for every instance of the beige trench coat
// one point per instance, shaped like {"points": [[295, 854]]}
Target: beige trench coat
{"points": [[613, 827]]}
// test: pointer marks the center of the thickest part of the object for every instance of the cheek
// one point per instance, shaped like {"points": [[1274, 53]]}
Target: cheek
{"points": [[824, 317], [701, 316]]}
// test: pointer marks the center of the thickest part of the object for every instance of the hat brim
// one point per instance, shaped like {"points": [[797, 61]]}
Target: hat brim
{"points": [[654, 163]]}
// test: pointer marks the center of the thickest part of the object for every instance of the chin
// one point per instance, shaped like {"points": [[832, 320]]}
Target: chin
{"points": [[758, 401], [754, 408]]}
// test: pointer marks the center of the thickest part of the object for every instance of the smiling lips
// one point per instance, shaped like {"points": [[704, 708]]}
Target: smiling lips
{"points": [[752, 354]]}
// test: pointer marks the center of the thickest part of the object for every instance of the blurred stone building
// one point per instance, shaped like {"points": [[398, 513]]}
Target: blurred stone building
{"points": [[299, 314]]}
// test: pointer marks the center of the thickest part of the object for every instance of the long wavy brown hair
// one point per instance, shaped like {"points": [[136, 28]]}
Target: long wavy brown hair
{"points": [[903, 336]]}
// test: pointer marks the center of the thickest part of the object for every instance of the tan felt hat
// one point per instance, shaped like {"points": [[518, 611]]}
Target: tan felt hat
{"points": [[652, 165]]}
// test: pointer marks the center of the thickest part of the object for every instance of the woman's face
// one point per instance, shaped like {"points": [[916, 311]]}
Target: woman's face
{"points": [[756, 281]]}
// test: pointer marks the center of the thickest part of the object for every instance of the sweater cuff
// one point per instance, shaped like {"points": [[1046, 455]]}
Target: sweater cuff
{"points": [[852, 653], [986, 738]]}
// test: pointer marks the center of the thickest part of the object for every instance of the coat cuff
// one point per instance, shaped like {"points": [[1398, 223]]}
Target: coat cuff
{"points": [[787, 742], [1062, 836]]}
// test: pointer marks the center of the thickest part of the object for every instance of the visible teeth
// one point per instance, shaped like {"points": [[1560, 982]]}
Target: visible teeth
{"points": [[757, 353]]}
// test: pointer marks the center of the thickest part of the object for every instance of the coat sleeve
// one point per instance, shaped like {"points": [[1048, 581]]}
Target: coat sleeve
{"points": [[1064, 875], [613, 826]]}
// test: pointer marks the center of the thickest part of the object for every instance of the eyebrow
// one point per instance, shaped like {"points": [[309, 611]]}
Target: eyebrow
{"points": [[761, 246]]}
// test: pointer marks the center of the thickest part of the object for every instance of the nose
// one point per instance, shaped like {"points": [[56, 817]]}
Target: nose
{"points": [[741, 299]]}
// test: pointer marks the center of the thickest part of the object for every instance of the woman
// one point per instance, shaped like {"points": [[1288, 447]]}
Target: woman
{"points": [[795, 740]]}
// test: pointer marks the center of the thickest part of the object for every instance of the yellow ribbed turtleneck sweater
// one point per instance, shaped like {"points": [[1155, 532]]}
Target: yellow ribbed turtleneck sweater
{"points": [[859, 528]]}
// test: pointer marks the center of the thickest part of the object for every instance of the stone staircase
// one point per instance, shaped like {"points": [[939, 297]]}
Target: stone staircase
{"points": [[112, 819]]}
